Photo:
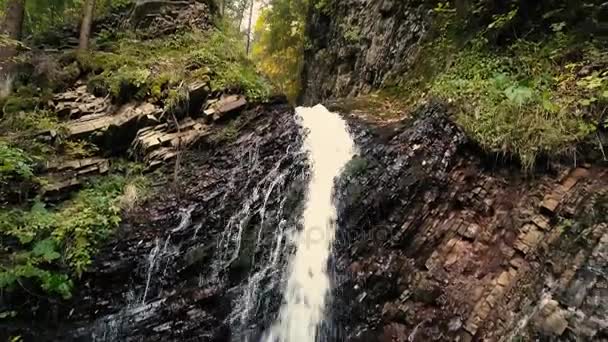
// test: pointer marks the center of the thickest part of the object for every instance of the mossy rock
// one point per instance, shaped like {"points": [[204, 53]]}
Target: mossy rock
{"points": [[65, 77], [15, 104], [98, 86], [26, 98]]}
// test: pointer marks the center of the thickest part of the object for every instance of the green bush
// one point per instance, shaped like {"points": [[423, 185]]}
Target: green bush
{"points": [[51, 246], [522, 101], [30, 122], [14, 163], [525, 98]]}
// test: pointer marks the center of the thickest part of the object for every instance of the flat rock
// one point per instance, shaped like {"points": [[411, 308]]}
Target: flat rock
{"points": [[158, 144], [63, 176], [79, 102], [114, 132], [219, 108]]}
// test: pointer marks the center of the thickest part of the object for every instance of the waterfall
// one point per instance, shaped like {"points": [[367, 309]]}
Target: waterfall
{"points": [[329, 148]]}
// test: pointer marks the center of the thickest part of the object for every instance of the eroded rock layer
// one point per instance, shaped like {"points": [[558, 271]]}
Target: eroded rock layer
{"points": [[179, 267], [356, 46], [435, 245]]}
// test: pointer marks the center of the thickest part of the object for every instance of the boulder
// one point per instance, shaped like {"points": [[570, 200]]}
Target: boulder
{"points": [[218, 109]]}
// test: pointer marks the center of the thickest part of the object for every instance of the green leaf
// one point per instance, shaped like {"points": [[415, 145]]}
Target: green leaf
{"points": [[519, 94], [47, 250], [7, 279], [550, 106], [58, 283], [558, 27], [8, 314]]}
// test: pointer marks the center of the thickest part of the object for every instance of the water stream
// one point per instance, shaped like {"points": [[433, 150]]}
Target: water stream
{"points": [[329, 148], [288, 245]]}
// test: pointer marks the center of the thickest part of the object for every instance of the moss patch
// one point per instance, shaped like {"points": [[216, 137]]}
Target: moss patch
{"points": [[525, 97], [134, 68]]}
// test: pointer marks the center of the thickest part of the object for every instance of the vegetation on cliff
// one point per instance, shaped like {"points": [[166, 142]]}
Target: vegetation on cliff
{"points": [[48, 242], [132, 68], [48, 245], [526, 81]]}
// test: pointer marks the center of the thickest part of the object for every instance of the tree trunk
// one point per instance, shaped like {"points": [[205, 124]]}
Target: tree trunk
{"points": [[11, 26], [462, 8], [87, 22], [242, 7], [249, 26]]}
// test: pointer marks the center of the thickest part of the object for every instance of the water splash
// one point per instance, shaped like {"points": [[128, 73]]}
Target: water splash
{"points": [[329, 147], [158, 254], [266, 200], [151, 266]]}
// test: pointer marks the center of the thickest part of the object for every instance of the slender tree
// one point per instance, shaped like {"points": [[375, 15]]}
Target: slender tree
{"points": [[249, 26], [11, 26], [87, 22]]}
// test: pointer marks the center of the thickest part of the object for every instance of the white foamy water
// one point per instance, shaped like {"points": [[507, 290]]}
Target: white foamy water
{"points": [[329, 147]]}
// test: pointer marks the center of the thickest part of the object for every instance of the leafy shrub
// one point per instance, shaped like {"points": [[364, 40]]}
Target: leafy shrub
{"points": [[525, 98], [14, 163], [29, 122], [521, 103], [51, 246]]}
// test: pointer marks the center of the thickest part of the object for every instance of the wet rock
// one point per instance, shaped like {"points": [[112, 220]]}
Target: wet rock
{"points": [[197, 255], [468, 242], [394, 333], [165, 274]]}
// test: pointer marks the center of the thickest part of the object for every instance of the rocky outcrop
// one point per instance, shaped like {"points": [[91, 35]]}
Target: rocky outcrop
{"points": [[357, 46], [161, 17], [78, 103], [156, 145], [434, 245], [150, 18], [201, 261], [65, 175], [218, 108]]}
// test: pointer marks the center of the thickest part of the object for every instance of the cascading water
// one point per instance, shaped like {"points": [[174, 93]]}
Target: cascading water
{"points": [[329, 147]]}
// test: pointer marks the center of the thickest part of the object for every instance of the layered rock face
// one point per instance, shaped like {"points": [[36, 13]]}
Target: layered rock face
{"points": [[180, 268], [433, 245], [360, 45], [435, 241]]}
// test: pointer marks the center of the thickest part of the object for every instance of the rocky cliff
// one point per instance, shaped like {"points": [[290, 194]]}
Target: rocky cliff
{"points": [[437, 244], [356, 46], [438, 240], [178, 266]]}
